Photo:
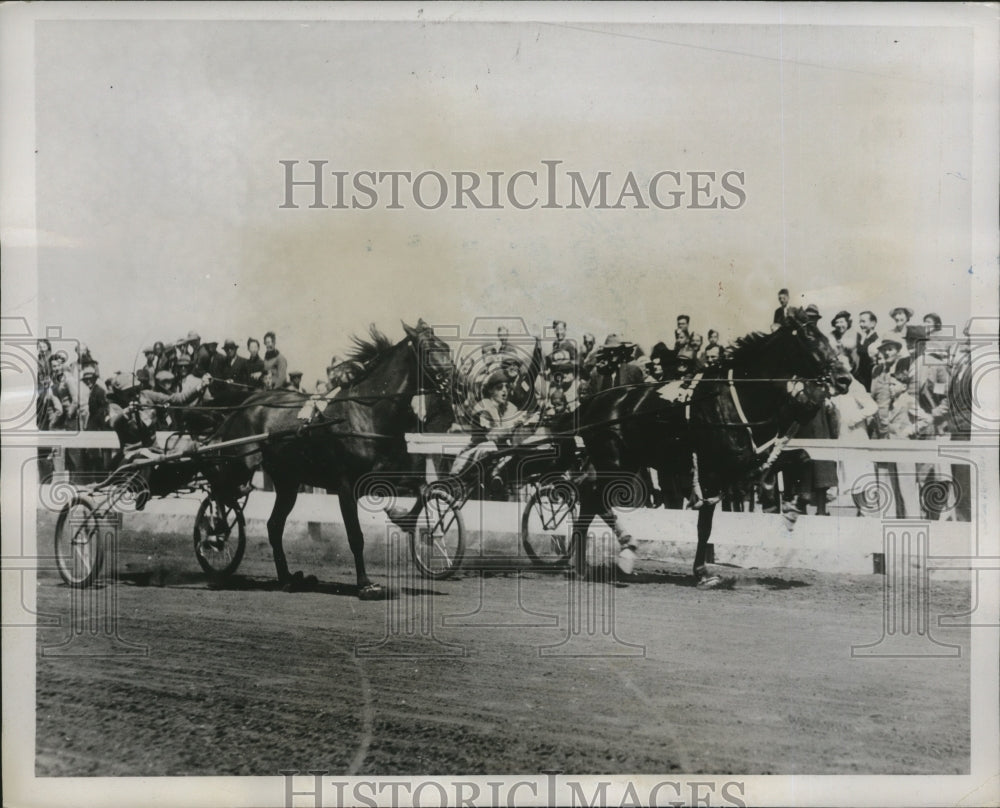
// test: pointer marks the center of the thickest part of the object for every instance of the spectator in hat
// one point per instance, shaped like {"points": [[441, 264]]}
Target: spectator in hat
{"points": [[904, 420], [97, 400], [230, 374], [842, 338], [613, 366], [94, 413], [255, 365], [933, 375], [164, 384], [151, 360], [890, 362], [202, 354], [294, 382], [275, 364], [931, 326], [782, 312], [811, 313]]}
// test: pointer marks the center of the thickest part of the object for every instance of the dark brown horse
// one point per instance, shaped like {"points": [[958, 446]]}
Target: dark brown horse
{"points": [[725, 425], [360, 430]]}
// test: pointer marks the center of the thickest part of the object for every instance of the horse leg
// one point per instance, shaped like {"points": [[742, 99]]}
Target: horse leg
{"points": [[356, 539], [705, 516], [580, 527], [285, 495]]}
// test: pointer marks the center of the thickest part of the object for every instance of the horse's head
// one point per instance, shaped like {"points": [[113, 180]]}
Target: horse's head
{"points": [[809, 354], [436, 370]]}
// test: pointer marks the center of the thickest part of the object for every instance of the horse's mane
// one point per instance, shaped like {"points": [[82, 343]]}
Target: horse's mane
{"points": [[366, 351], [744, 347]]}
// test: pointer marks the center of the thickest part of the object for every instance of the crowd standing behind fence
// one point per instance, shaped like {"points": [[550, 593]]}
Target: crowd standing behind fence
{"points": [[900, 391]]}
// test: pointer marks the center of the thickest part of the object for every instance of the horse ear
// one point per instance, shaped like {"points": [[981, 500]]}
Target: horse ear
{"points": [[410, 332]]}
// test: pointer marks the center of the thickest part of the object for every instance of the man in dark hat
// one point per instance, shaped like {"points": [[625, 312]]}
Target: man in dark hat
{"points": [[97, 400], [202, 354], [613, 365], [294, 382], [232, 380]]}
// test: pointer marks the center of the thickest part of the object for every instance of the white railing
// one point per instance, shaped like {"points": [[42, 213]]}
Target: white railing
{"points": [[890, 451]]}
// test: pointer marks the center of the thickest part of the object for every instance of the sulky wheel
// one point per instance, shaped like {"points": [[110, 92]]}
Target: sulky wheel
{"points": [[220, 538], [438, 542], [547, 524], [79, 544]]}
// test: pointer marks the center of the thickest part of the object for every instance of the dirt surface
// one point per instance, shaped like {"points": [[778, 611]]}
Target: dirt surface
{"points": [[485, 673]]}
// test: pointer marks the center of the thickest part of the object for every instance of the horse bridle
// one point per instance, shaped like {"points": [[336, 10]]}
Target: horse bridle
{"points": [[440, 378]]}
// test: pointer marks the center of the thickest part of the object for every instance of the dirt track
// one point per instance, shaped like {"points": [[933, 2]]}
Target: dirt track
{"points": [[250, 680]]}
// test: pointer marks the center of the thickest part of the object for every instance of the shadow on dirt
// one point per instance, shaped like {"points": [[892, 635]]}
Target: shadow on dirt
{"points": [[245, 583]]}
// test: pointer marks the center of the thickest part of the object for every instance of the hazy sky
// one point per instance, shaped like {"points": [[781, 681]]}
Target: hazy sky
{"points": [[159, 184]]}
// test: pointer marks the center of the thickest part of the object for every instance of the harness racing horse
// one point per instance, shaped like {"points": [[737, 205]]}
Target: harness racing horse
{"points": [[725, 424], [352, 433]]}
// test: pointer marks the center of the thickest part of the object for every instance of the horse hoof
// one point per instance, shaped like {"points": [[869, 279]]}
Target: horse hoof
{"points": [[626, 560], [293, 583], [310, 582], [370, 592], [710, 582]]}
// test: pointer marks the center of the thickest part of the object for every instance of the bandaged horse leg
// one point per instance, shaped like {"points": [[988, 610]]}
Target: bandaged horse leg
{"points": [[705, 515]]}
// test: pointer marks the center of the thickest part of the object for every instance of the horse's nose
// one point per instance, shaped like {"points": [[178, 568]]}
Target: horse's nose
{"points": [[843, 381]]}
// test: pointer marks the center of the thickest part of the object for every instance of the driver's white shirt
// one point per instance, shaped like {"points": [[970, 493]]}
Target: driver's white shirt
{"points": [[487, 414]]}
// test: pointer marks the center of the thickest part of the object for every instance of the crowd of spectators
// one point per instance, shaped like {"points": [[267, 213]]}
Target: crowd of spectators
{"points": [[900, 390]]}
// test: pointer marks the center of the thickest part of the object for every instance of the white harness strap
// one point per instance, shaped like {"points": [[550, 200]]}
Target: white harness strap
{"points": [[746, 421], [316, 403]]}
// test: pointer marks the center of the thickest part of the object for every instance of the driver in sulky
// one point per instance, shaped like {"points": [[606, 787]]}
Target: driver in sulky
{"points": [[494, 420]]}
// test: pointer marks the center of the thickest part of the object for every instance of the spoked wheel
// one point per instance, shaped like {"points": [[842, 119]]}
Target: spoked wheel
{"points": [[547, 524], [79, 545], [220, 538], [438, 542]]}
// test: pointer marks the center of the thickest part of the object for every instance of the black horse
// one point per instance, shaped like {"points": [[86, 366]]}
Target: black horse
{"points": [[335, 442], [723, 426]]}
